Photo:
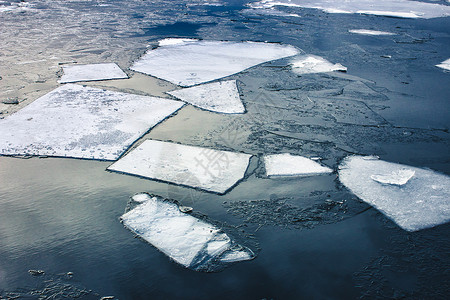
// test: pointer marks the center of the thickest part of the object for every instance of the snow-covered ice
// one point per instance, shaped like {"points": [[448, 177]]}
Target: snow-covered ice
{"points": [[204, 168], [445, 64], [292, 165], [370, 32], [314, 64], [412, 197], [221, 97], [92, 72], [186, 239], [391, 8], [82, 122], [187, 62]]}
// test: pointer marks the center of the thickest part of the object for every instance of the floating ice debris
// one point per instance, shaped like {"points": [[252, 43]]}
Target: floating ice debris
{"points": [[92, 72], [187, 240], [292, 165], [221, 97], [82, 122], [185, 209], [207, 169], [314, 64], [392, 8], [445, 64], [174, 41], [370, 32], [421, 203], [399, 177], [186, 62]]}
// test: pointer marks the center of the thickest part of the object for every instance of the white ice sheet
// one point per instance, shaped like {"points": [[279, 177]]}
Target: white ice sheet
{"points": [[221, 97], [292, 165], [92, 72], [186, 62], [421, 202], [82, 122], [370, 32], [445, 64], [204, 168], [314, 64]]}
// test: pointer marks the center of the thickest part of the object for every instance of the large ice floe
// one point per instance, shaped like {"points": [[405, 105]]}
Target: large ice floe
{"points": [[92, 72], [390, 8], [82, 122], [189, 241], [292, 165], [370, 32], [221, 97], [188, 62], [445, 64], [412, 197], [203, 168], [306, 64]]}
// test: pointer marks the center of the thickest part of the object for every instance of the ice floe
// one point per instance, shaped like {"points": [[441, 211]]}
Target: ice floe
{"points": [[204, 168], [445, 64], [82, 122], [92, 72], [187, 240], [187, 62], [391, 8], [292, 165], [370, 32], [412, 197], [314, 64], [221, 97]]}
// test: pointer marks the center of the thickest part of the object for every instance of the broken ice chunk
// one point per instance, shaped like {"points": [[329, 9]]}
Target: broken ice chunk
{"points": [[187, 62], [207, 169], [291, 165], [413, 206], [445, 64], [82, 122], [314, 64], [221, 97], [187, 240], [92, 72], [400, 177], [370, 32]]}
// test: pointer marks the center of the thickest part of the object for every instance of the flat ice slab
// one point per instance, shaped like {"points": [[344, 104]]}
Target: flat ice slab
{"points": [[370, 32], [445, 64], [391, 8], [92, 72], [190, 62], [187, 240], [292, 165], [82, 122], [221, 97], [207, 169], [413, 198], [314, 64]]}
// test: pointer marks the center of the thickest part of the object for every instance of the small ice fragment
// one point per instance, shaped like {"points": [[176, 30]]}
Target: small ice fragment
{"points": [[370, 32], [314, 64], [236, 256], [221, 97], [92, 72], [204, 168], [174, 41], [36, 272], [413, 206], [400, 177], [141, 197], [185, 209], [187, 240], [291, 165], [445, 64]]}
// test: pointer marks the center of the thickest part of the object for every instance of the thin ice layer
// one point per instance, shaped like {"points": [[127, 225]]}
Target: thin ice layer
{"points": [[186, 62], [292, 165], [400, 177], [187, 240], [420, 203], [92, 72], [391, 8], [221, 97], [82, 122], [207, 169], [370, 32], [445, 64], [314, 64]]}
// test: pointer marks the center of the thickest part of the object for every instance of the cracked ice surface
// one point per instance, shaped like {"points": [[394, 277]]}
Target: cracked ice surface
{"points": [[370, 32], [92, 72], [391, 8], [420, 203], [314, 64], [82, 122], [190, 62], [207, 169], [445, 64], [221, 97], [187, 240], [292, 165]]}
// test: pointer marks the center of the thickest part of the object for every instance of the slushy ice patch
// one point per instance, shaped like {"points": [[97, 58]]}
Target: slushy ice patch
{"points": [[292, 165], [314, 64], [189, 241], [92, 72]]}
